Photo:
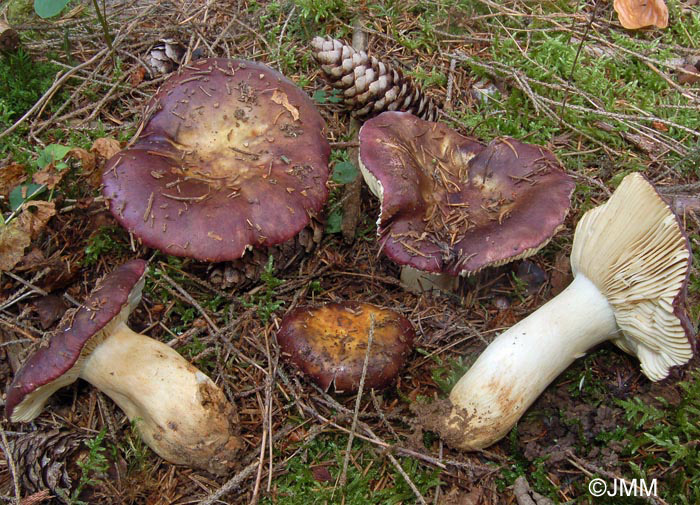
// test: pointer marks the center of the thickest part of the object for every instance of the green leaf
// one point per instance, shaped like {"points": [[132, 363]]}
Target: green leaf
{"points": [[334, 220], [320, 96], [51, 154], [49, 8], [344, 172], [31, 191]]}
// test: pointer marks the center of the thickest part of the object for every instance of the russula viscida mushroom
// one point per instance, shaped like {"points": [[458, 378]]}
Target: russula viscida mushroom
{"points": [[631, 261], [179, 411], [450, 205], [232, 155], [329, 344]]}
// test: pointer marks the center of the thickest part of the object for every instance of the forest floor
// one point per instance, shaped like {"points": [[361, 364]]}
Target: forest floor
{"points": [[563, 74]]}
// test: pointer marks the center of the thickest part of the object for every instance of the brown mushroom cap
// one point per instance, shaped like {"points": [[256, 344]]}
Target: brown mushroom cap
{"points": [[452, 205], [329, 344], [232, 155], [58, 364]]}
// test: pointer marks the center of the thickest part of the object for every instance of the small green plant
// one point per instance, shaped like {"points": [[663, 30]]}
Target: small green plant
{"points": [[135, 451], [668, 441], [321, 96], [264, 301], [104, 243], [92, 468], [312, 474], [447, 374], [319, 10], [22, 83]]}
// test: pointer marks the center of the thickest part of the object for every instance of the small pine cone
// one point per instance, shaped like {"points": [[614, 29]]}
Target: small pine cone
{"points": [[244, 271], [370, 86], [166, 56], [48, 460]]}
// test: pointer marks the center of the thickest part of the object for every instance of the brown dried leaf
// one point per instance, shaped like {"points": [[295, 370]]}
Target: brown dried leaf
{"points": [[561, 274], [280, 97], [87, 159], [16, 236], [49, 176], [50, 309], [321, 474], [636, 14], [106, 147], [690, 76], [137, 76], [13, 242], [10, 176]]}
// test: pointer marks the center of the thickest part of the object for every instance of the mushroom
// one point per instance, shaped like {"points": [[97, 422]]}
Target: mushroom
{"points": [[329, 344], [631, 260], [179, 411], [231, 155], [452, 206]]}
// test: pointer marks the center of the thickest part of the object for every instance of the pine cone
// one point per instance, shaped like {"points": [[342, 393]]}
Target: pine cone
{"points": [[370, 86], [166, 56], [47, 460], [246, 270]]}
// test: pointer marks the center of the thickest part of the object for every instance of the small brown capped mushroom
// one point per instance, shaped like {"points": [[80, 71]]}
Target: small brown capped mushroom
{"points": [[329, 344]]}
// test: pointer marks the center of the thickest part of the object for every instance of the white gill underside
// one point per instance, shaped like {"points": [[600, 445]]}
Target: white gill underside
{"points": [[633, 249]]}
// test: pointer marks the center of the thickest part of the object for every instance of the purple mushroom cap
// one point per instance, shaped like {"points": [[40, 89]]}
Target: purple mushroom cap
{"points": [[57, 362], [450, 204], [232, 155]]}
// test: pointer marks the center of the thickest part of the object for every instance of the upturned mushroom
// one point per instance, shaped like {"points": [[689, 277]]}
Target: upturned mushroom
{"points": [[452, 206], [179, 411], [232, 155], [329, 344], [631, 261]]}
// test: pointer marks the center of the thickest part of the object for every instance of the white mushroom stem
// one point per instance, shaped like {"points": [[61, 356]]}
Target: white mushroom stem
{"points": [[630, 259], [521, 362], [179, 411]]}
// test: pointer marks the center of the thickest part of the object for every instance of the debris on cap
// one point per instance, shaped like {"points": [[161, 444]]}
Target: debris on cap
{"points": [[450, 204], [329, 344], [232, 156]]}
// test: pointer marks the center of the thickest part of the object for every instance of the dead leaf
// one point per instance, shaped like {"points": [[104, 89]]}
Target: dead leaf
{"points": [[691, 74], [280, 97], [561, 274], [321, 474], [662, 127], [10, 176], [87, 159], [137, 76], [49, 176], [13, 242], [106, 147], [16, 236], [50, 309], [636, 14]]}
